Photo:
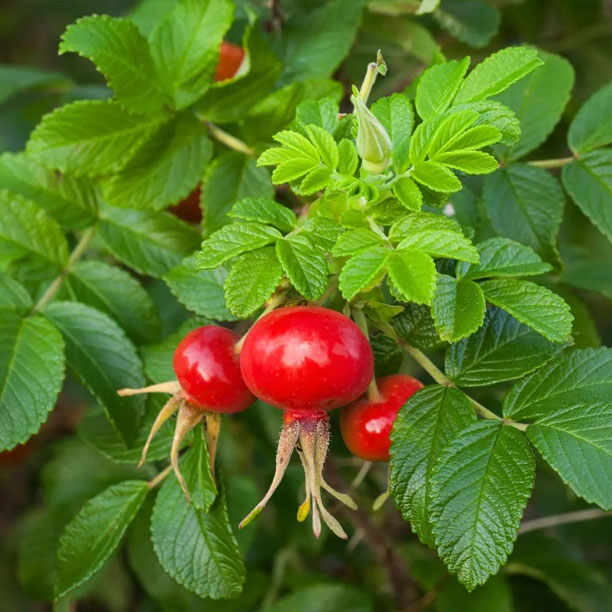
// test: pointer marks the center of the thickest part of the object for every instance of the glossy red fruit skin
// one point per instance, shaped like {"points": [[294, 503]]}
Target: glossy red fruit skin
{"points": [[306, 359], [230, 58], [208, 370], [366, 425]]}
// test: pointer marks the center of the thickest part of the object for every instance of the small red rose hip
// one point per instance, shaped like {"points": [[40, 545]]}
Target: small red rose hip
{"points": [[367, 423], [230, 60], [208, 384]]}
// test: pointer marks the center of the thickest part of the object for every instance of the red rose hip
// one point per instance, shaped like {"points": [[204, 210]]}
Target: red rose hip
{"points": [[230, 60]]}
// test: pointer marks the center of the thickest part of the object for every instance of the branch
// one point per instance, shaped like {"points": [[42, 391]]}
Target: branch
{"points": [[228, 140], [563, 519], [551, 163]]}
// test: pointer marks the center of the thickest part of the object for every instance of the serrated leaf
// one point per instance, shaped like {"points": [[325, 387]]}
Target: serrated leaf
{"points": [[325, 145], [423, 428], [441, 243], [502, 349], [503, 257], [150, 242], [233, 240], [470, 162], [388, 357], [435, 176], [497, 72], [323, 113], [102, 358], [13, 295], [229, 178], [89, 137], [356, 241], [416, 325], [115, 292], [458, 308], [536, 306], [264, 210], [438, 86], [361, 270], [495, 114], [31, 375], [526, 204], [349, 159], [479, 489], [164, 169], [539, 100], [449, 129], [95, 533], [473, 22], [185, 47], [589, 181], [397, 117], [201, 291], [71, 201], [582, 429], [305, 265], [322, 232], [27, 230], [199, 480], [121, 53], [413, 274], [581, 376], [592, 126], [408, 193], [197, 548], [315, 180], [252, 280]]}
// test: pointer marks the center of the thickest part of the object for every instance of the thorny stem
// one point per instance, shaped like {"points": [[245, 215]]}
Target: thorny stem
{"points": [[442, 379], [274, 302], [227, 139], [76, 254], [563, 519], [160, 477], [551, 163]]}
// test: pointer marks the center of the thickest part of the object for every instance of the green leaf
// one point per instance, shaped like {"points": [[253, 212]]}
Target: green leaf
{"points": [[315, 42], [230, 178], [363, 269], [539, 100], [580, 377], [413, 273], [95, 533], [446, 130], [589, 274], [14, 78], [356, 241], [150, 242], [196, 548], [103, 359], [233, 240], [423, 428], [468, 161], [72, 202], [438, 86], [579, 430], [264, 210], [388, 357], [536, 306], [121, 53], [435, 176], [473, 22], [396, 116], [592, 126], [13, 295], [331, 596], [416, 325], [495, 114], [349, 159], [479, 488], [27, 230], [200, 482], [89, 137], [165, 168], [502, 349], [441, 243], [497, 72], [458, 308], [117, 293], [526, 204], [325, 144], [589, 181], [315, 180], [322, 232], [185, 47], [304, 264], [31, 375], [252, 280], [503, 257], [408, 193], [323, 113], [201, 291]]}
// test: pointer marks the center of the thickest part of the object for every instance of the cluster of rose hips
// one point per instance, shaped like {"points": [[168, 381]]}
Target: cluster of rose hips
{"points": [[305, 360]]}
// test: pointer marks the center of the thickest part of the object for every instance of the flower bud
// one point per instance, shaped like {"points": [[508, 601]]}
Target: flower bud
{"points": [[373, 142]]}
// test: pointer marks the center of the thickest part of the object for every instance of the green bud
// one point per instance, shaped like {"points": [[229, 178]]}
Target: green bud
{"points": [[373, 142]]}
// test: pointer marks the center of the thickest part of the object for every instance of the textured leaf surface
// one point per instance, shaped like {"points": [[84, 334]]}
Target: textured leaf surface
{"points": [[424, 426], [31, 375], [101, 357], [362, 270], [592, 126], [438, 86], [416, 325], [413, 273], [441, 243], [264, 211], [95, 533], [196, 548], [304, 264], [89, 137], [533, 305], [13, 295], [396, 116], [502, 349], [355, 241], [479, 489]]}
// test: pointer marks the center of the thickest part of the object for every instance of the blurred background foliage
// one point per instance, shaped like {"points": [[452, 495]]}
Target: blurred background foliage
{"points": [[44, 483]]}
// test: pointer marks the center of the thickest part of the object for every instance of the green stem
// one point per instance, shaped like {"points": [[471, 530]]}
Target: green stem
{"points": [[370, 77], [551, 163], [360, 318], [76, 254], [228, 140]]}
